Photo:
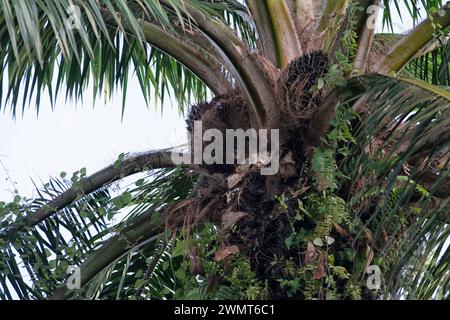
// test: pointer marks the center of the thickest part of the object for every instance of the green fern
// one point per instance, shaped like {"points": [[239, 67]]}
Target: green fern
{"points": [[330, 209], [324, 168]]}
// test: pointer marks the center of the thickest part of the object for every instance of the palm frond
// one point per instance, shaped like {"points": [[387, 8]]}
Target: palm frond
{"points": [[434, 27], [38, 257], [45, 44], [84, 185], [402, 137], [432, 67], [34, 265], [138, 240], [413, 10]]}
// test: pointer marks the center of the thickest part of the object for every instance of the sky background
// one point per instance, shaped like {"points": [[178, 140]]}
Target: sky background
{"points": [[88, 134], [78, 135]]}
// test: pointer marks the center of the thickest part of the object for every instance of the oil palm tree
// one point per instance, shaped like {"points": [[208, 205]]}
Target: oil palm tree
{"points": [[364, 172]]}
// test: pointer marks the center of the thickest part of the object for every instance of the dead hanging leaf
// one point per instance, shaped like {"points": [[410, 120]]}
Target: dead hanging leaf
{"points": [[369, 256], [287, 166], [384, 235], [225, 252], [230, 218], [310, 252], [300, 191], [234, 180], [369, 235], [340, 230], [196, 267], [321, 270]]}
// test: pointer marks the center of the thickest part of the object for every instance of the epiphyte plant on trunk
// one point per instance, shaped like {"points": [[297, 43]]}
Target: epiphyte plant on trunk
{"points": [[364, 151]]}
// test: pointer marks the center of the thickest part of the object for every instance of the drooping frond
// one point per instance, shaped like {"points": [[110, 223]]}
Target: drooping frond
{"points": [[84, 185], [401, 175], [67, 221], [140, 239], [36, 263], [32, 263]]}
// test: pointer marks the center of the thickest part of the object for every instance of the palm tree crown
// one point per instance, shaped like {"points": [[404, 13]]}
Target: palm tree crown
{"points": [[364, 173]]}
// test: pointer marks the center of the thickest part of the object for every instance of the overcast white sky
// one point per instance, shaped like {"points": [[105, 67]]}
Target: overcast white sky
{"points": [[76, 135]]}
